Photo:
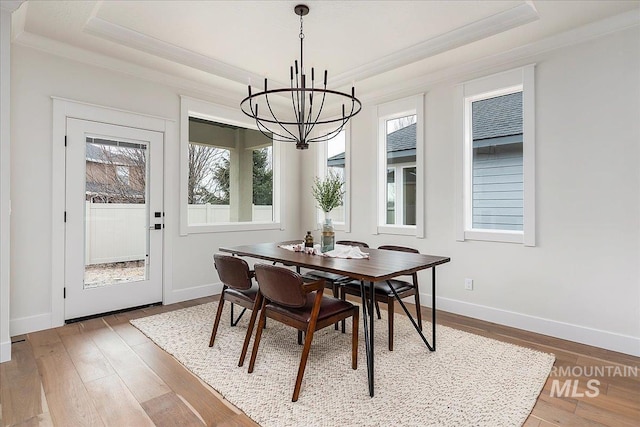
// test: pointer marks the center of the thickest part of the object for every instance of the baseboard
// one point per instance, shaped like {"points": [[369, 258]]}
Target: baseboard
{"points": [[5, 351], [179, 295], [25, 325], [567, 331]]}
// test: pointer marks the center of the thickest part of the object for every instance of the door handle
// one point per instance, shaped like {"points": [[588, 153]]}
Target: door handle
{"points": [[156, 227]]}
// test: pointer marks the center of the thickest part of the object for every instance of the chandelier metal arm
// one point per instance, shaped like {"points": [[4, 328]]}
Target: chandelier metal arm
{"points": [[261, 127], [356, 102], [274, 135], [328, 135], [296, 92], [266, 97], [308, 124], [324, 95]]}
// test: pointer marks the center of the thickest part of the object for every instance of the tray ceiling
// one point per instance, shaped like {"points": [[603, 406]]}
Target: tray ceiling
{"points": [[225, 43]]}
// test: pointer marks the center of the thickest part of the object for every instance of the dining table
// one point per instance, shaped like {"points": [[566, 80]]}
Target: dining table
{"points": [[380, 265]]}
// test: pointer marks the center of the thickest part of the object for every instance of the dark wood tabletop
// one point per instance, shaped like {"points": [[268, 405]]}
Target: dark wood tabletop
{"points": [[381, 264]]}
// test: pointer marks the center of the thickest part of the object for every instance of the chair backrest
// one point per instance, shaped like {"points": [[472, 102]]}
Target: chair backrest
{"points": [[352, 243], [398, 248], [281, 285], [233, 271]]}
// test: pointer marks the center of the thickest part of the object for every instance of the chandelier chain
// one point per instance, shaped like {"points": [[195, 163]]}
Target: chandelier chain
{"points": [[301, 33]]}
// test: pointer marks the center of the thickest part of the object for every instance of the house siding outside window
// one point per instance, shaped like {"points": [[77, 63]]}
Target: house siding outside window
{"points": [[497, 179]]}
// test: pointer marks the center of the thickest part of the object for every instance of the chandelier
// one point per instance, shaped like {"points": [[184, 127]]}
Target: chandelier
{"points": [[307, 101]]}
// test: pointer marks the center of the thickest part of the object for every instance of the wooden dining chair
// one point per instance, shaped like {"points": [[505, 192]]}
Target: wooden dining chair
{"points": [[384, 294], [302, 305], [238, 288]]}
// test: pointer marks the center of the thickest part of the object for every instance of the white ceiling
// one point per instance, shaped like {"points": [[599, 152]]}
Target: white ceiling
{"points": [[224, 43]]}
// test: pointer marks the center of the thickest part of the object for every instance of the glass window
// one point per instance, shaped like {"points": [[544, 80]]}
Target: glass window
{"points": [[497, 174], [409, 195], [400, 143], [333, 157], [391, 196], [401, 194], [336, 163], [230, 174], [123, 174], [498, 160]]}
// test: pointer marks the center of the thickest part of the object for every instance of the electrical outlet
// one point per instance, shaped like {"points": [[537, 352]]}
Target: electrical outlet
{"points": [[468, 284]]}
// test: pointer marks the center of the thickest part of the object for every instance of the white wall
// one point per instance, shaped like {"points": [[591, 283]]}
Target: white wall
{"points": [[5, 176], [582, 280], [36, 76]]}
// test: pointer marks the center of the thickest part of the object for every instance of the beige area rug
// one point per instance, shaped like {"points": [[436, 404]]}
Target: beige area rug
{"points": [[469, 381]]}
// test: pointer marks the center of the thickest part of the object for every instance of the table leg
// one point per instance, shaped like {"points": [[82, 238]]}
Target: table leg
{"points": [[368, 331], [433, 311], [433, 306]]}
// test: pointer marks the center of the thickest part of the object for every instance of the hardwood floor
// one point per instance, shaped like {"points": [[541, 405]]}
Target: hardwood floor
{"points": [[104, 372]]}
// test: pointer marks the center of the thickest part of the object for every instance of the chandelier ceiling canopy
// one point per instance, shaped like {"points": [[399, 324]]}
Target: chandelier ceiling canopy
{"points": [[306, 123]]}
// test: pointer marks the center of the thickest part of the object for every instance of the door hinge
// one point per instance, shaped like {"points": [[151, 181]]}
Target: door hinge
{"points": [[65, 140], [64, 292], [65, 216]]}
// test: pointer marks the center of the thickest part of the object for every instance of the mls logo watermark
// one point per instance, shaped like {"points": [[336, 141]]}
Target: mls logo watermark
{"points": [[569, 388], [583, 384]]}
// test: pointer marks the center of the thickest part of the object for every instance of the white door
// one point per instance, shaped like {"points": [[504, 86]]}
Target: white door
{"points": [[114, 218]]}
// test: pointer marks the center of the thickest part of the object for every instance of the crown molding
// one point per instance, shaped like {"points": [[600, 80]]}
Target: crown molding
{"points": [[10, 5], [84, 56], [494, 63], [519, 56], [139, 41], [478, 30]]}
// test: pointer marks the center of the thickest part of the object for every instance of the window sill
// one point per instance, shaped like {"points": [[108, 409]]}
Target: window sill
{"points": [[495, 236], [402, 230], [231, 227]]}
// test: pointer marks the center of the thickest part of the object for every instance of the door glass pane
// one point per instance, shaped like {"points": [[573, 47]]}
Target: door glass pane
{"points": [[116, 212], [409, 196]]}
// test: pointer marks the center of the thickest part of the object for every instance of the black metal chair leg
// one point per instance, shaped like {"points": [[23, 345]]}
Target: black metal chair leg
{"points": [[235, 322]]}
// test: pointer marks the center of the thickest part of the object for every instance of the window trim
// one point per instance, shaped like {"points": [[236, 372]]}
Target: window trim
{"points": [[218, 113], [322, 156], [388, 111], [486, 87]]}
